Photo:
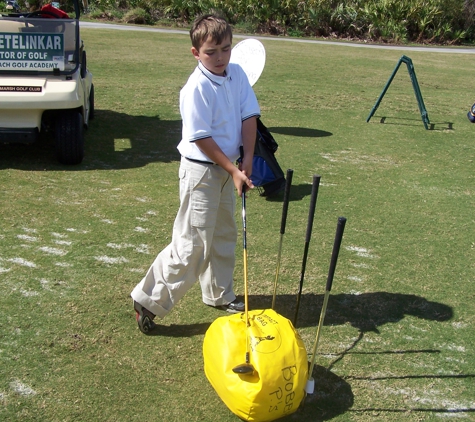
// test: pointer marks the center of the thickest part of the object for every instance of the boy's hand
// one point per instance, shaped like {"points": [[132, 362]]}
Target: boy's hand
{"points": [[241, 180], [214, 152], [246, 166]]}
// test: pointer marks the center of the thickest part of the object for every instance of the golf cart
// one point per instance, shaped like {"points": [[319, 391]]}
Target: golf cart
{"points": [[44, 81]]}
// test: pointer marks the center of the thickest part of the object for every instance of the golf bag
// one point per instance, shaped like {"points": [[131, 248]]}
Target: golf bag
{"points": [[471, 114], [267, 175], [277, 386]]}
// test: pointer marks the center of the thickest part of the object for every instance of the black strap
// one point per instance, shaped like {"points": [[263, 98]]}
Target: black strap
{"points": [[200, 161]]}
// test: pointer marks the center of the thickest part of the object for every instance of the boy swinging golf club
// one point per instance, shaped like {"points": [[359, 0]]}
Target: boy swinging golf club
{"points": [[219, 111]]}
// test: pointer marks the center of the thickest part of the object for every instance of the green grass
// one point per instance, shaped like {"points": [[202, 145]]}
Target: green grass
{"points": [[74, 241]]}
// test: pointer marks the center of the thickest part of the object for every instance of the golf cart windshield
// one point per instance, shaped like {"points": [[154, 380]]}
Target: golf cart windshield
{"points": [[39, 43]]}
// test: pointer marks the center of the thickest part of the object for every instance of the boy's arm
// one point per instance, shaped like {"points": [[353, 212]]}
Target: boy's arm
{"points": [[211, 149], [249, 131]]}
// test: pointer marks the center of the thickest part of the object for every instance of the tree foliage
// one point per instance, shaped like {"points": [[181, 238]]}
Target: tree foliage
{"points": [[422, 21]]}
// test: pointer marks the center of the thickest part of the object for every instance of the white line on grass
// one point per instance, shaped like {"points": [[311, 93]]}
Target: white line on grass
{"points": [[53, 251], [119, 245], [142, 248], [77, 231], [28, 230], [22, 389], [63, 264], [27, 238], [58, 235], [45, 284], [355, 292], [357, 265], [22, 262], [136, 270], [28, 293], [141, 230], [362, 252], [110, 260], [63, 242]]}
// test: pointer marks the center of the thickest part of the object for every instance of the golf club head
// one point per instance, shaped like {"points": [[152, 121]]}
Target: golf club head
{"points": [[250, 54], [244, 369]]}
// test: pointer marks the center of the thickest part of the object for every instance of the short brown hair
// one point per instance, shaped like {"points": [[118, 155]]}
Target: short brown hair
{"points": [[212, 26]]}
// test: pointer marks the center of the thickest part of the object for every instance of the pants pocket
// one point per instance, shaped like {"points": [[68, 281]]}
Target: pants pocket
{"points": [[204, 201]]}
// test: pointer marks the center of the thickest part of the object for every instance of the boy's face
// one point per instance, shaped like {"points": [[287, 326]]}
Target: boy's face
{"points": [[215, 57]]}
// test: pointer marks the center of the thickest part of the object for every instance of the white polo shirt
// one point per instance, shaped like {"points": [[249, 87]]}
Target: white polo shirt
{"points": [[215, 106]]}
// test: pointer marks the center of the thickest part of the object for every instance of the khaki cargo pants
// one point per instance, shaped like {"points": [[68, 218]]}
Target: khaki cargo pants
{"points": [[202, 246]]}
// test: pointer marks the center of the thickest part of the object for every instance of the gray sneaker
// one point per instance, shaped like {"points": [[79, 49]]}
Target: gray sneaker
{"points": [[235, 307]]}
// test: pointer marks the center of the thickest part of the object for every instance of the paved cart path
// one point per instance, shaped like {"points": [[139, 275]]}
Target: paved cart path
{"points": [[452, 50]]}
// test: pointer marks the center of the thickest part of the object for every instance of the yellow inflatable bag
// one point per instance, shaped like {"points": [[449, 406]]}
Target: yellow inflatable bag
{"points": [[277, 355]]}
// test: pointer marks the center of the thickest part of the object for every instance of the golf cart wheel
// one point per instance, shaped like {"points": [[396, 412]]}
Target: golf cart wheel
{"points": [[91, 103], [70, 137]]}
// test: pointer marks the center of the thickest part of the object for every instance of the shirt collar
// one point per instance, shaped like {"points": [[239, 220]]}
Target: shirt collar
{"points": [[211, 76]]}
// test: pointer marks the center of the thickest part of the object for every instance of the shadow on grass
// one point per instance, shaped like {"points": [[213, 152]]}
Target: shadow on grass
{"points": [[297, 193], [114, 141], [178, 330], [366, 311], [332, 397], [442, 126], [300, 131]]}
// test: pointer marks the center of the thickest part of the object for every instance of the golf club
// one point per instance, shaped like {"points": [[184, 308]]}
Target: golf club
{"points": [[331, 272], [245, 368], [311, 214], [285, 207]]}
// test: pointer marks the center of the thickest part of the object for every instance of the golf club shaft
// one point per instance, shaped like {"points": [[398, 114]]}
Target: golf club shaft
{"points": [[244, 247], [285, 207], [317, 338], [311, 215], [331, 272]]}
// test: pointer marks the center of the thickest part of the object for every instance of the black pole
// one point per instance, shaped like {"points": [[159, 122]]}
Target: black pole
{"points": [[285, 207], [311, 215]]}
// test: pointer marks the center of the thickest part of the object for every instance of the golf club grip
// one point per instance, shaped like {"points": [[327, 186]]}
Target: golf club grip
{"points": [[244, 228], [285, 207], [313, 204], [340, 228]]}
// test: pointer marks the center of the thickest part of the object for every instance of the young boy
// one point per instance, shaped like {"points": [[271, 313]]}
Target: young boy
{"points": [[219, 111]]}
